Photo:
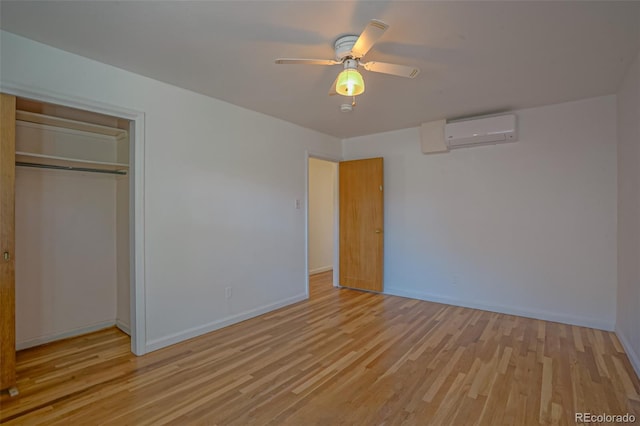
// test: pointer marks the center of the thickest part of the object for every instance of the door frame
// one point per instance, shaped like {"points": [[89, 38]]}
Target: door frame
{"points": [[336, 216], [136, 197]]}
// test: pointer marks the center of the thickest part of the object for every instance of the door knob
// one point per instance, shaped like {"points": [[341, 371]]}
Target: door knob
{"points": [[378, 231], [6, 256]]}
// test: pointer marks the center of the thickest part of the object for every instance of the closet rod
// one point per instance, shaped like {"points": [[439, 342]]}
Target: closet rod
{"points": [[70, 168]]}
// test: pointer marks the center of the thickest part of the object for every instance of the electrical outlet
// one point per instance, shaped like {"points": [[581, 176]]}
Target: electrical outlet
{"points": [[228, 292]]}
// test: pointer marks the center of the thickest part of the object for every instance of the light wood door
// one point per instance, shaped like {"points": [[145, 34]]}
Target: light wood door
{"points": [[361, 220], [7, 241]]}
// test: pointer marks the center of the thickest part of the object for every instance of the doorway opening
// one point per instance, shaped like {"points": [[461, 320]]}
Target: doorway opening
{"points": [[84, 152], [322, 224], [72, 223]]}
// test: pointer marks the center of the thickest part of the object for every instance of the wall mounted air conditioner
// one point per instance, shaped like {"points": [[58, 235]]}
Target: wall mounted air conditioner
{"points": [[481, 131]]}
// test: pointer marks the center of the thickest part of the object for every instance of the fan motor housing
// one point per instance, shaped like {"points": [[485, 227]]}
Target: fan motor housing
{"points": [[343, 46]]}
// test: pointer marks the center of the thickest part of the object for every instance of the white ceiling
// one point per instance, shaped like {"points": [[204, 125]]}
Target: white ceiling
{"points": [[476, 57]]}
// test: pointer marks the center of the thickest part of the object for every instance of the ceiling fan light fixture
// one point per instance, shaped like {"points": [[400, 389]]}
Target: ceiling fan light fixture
{"points": [[350, 83], [349, 51]]}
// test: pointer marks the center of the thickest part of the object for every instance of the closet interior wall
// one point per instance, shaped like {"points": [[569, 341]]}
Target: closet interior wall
{"points": [[72, 227]]}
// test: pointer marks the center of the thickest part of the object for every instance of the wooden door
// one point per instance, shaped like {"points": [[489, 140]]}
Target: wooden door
{"points": [[7, 241], [361, 220]]}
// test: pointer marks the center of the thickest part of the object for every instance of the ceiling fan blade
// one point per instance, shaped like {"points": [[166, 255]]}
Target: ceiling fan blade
{"points": [[295, 61], [393, 69], [332, 89], [372, 32]]}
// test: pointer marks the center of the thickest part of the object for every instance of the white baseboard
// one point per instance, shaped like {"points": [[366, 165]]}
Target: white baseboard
{"points": [[123, 327], [215, 325], [321, 269], [509, 310], [63, 335], [634, 357]]}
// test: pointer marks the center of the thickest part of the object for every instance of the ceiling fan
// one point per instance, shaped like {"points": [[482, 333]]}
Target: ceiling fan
{"points": [[349, 51]]}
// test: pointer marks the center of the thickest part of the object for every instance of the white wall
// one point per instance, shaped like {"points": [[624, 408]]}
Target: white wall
{"points": [[628, 318], [526, 228], [220, 185], [321, 214], [65, 254]]}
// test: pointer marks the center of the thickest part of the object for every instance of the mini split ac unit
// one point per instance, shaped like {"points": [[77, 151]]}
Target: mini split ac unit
{"points": [[481, 131]]}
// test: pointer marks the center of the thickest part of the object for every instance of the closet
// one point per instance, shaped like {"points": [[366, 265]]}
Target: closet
{"points": [[66, 270]]}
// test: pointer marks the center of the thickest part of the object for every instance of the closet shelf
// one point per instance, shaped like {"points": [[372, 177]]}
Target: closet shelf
{"points": [[48, 120], [28, 157]]}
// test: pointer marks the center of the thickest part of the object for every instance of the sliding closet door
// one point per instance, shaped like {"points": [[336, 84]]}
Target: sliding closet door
{"points": [[7, 241]]}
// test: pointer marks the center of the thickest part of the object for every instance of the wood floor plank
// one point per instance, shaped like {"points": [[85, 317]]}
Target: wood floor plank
{"points": [[342, 357]]}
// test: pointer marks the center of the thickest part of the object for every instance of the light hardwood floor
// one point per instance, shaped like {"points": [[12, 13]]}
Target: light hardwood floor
{"points": [[343, 357]]}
